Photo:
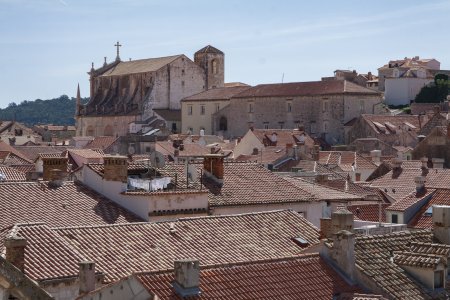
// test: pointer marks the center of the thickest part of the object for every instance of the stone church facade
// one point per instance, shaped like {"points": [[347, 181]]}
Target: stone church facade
{"points": [[125, 92], [321, 108]]}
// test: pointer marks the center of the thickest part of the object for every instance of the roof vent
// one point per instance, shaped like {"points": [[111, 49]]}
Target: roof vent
{"points": [[187, 278], [172, 229]]}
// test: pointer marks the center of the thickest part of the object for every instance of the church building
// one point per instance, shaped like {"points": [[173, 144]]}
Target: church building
{"points": [[124, 94]]}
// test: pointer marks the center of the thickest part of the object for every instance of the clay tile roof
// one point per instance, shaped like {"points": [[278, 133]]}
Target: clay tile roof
{"points": [[423, 218], [47, 255], [86, 153], [284, 136], [436, 178], [120, 250], [69, 205], [310, 88], [224, 93], [267, 155], [378, 122], [427, 248], [140, 66], [5, 147], [303, 277], [369, 212], [373, 258], [101, 142], [166, 148], [32, 152], [420, 260], [345, 160], [410, 200], [209, 49], [12, 174], [322, 192]]}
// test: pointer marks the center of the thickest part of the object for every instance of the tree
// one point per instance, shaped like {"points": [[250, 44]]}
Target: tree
{"points": [[436, 91]]}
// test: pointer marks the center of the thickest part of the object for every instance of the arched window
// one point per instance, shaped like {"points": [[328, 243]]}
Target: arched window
{"points": [[223, 124], [108, 131], [90, 130], [214, 66]]}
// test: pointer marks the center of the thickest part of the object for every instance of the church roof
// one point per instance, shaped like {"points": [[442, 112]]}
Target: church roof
{"points": [[140, 65], [309, 88], [209, 49]]}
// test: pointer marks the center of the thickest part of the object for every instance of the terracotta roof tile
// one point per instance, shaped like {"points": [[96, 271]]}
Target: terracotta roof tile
{"points": [[382, 124], [120, 250], [369, 212], [420, 260], [12, 174], [436, 178], [303, 277], [410, 200], [310, 88], [424, 220], [427, 248], [101, 142], [5, 147], [139, 66], [86, 153], [224, 93], [32, 152], [69, 205]]}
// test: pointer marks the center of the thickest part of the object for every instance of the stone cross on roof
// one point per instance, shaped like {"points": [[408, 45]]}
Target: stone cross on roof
{"points": [[117, 45]]}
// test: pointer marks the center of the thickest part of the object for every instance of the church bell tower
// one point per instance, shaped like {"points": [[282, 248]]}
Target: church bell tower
{"points": [[212, 60]]}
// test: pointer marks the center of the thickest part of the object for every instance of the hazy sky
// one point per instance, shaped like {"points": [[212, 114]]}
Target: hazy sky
{"points": [[47, 46]]}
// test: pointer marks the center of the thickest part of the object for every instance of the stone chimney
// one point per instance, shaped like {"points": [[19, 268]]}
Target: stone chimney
{"points": [[52, 163], [376, 156], [115, 168], [187, 278], [56, 178], [420, 184], [343, 252], [15, 251], [441, 223], [438, 163], [213, 166], [316, 152], [397, 163], [342, 219], [86, 276]]}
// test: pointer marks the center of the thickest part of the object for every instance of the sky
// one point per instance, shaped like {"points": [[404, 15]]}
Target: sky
{"points": [[47, 46]]}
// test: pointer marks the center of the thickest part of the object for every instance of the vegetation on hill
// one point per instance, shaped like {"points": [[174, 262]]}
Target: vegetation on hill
{"points": [[57, 111], [434, 92]]}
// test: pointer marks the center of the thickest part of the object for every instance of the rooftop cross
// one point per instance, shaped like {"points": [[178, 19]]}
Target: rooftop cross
{"points": [[117, 45]]}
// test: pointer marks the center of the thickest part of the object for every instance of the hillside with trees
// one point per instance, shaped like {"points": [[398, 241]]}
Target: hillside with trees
{"points": [[57, 111]]}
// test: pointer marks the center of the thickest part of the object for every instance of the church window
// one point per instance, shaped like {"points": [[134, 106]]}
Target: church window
{"points": [[189, 108], [182, 72], [223, 124], [214, 67], [202, 109]]}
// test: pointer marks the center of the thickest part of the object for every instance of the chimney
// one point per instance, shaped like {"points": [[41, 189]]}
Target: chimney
{"points": [[420, 184], [321, 179], [420, 138], [424, 161], [52, 163], [56, 178], [15, 251], [397, 163], [213, 166], [86, 276], [438, 163], [376, 156], [441, 223], [341, 219], [343, 252], [187, 278], [115, 168], [316, 152]]}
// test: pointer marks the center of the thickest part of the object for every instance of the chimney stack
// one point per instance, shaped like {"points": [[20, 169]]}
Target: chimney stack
{"points": [[342, 219], [52, 163], [86, 276], [376, 156], [187, 278], [424, 161], [15, 251], [115, 168], [441, 223], [397, 163], [343, 252], [213, 166], [56, 178], [420, 184]]}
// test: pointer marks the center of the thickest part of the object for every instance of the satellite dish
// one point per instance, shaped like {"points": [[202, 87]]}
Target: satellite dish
{"points": [[157, 159]]}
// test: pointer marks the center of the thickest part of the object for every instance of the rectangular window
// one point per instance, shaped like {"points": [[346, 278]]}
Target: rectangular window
{"points": [[250, 107], [325, 106], [313, 127], [281, 124], [182, 72], [189, 108], [395, 218], [217, 107], [182, 83], [266, 125], [202, 109], [361, 106], [289, 106], [438, 279]]}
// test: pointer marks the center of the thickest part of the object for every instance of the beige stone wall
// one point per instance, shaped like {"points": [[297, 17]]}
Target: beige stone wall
{"points": [[320, 115], [100, 125], [196, 120]]}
